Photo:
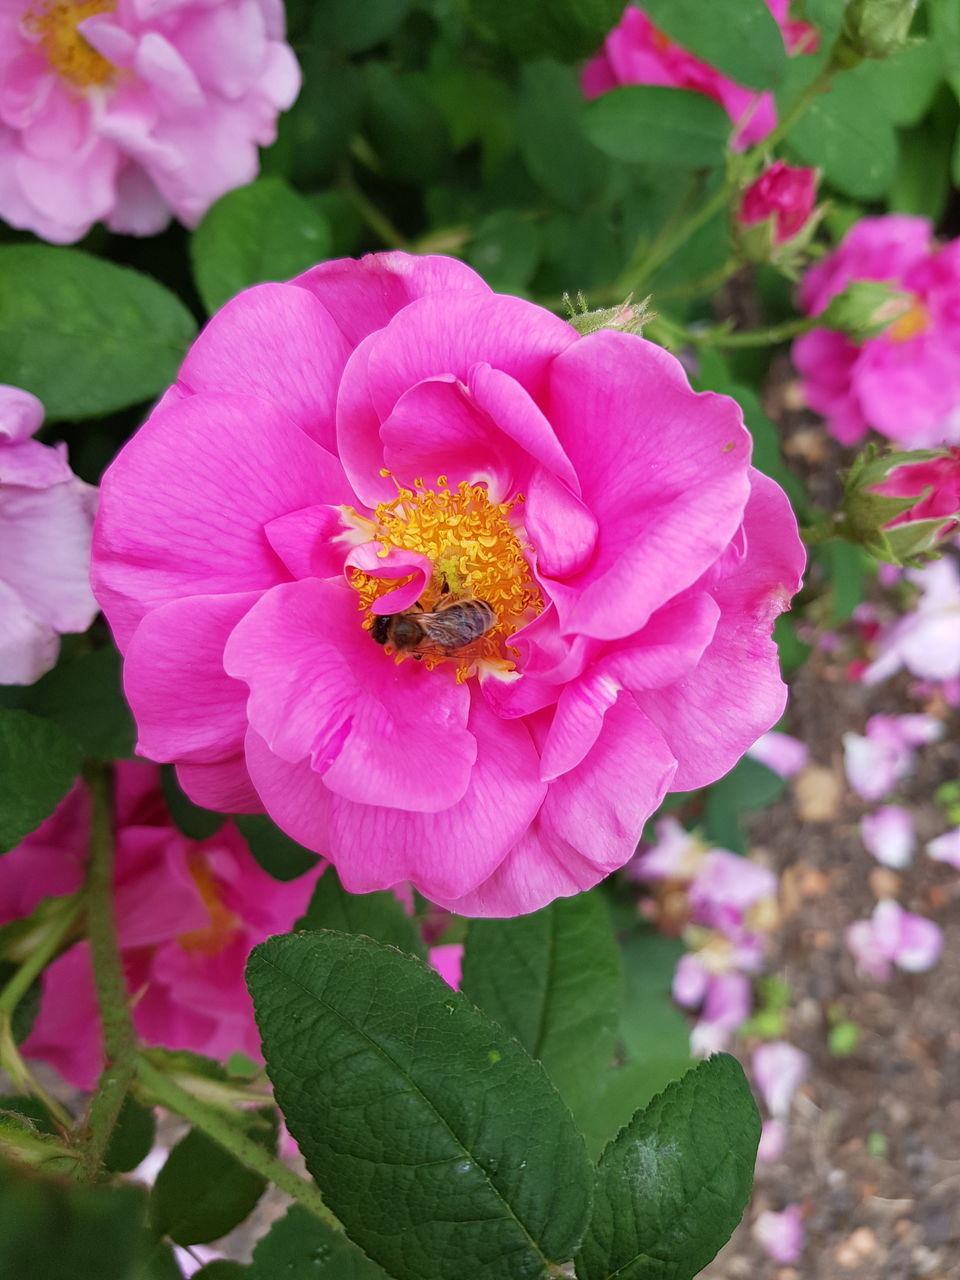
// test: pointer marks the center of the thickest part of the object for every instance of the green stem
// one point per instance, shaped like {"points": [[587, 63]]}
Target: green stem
{"points": [[379, 223], [813, 90], [755, 337], [120, 1039], [216, 1126], [665, 246], [41, 954]]}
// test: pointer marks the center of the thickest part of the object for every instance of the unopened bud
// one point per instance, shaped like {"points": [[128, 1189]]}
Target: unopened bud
{"points": [[865, 309], [902, 506], [628, 317], [776, 218], [874, 29]]}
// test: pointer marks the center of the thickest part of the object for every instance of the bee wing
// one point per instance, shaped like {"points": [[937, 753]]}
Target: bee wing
{"points": [[444, 630]]}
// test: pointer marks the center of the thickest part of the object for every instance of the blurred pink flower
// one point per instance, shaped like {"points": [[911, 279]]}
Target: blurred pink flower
{"points": [[781, 1235], [906, 382], [891, 937], [876, 761], [127, 110], [447, 959], [935, 482], [888, 834], [778, 1069], [636, 52], [188, 913], [773, 1141], [388, 432], [727, 1001], [781, 753], [946, 848], [783, 195], [46, 524], [927, 640]]}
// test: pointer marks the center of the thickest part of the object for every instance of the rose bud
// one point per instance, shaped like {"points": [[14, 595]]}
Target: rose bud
{"points": [[776, 218], [902, 506]]}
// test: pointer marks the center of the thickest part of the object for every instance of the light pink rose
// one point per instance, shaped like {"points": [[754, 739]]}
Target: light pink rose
{"points": [[906, 382], [346, 446], [188, 913], [891, 937], [46, 525], [127, 110], [636, 52], [781, 193]]}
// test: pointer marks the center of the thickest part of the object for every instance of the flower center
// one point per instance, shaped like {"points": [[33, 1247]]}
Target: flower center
{"points": [[476, 552], [209, 939], [910, 323], [72, 57]]}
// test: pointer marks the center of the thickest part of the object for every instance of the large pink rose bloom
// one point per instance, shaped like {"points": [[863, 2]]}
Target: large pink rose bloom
{"points": [[130, 110], [906, 382], [636, 52], [46, 525], [188, 913], [380, 433]]}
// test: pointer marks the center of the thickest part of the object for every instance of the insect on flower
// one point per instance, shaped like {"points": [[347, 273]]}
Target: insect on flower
{"points": [[449, 629]]}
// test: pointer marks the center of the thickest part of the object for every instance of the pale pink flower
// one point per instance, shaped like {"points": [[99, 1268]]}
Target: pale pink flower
{"points": [[782, 195], [927, 640], [778, 1069], [906, 382], [946, 848], [781, 753], [389, 432], [893, 936], [188, 913], [46, 525], [781, 1235], [124, 111], [876, 761], [636, 52], [888, 834], [724, 889]]}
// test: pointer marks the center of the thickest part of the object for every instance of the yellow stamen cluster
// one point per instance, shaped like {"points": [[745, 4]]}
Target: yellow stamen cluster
{"points": [[909, 324], [73, 58], [210, 939], [476, 554]]}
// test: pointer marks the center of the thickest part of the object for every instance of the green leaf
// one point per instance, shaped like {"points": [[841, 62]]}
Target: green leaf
{"points": [[652, 124], [83, 695], [553, 980], [276, 853], [38, 763], [549, 119], [131, 1139], [84, 335], [59, 1230], [673, 1185], [378, 915], [194, 821], [224, 1269], [355, 25], [301, 1247], [738, 37], [439, 1144], [847, 133], [202, 1192], [564, 29], [407, 132], [505, 250], [906, 83], [264, 231]]}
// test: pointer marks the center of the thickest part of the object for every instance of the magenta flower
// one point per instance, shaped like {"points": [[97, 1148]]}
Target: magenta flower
{"points": [[46, 525], [127, 110], [906, 382], [447, 959], [386, 438], [636, 52], [891, 937], [935, 482], [782, 195], [188, 914]]}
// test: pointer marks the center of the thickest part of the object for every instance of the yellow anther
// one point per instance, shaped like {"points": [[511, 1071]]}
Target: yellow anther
{"points": [[72, 57]]}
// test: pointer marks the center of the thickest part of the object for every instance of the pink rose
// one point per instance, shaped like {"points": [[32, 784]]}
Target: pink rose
{"points": [[46, 525], [127, 110], [935, 482], [636, 52], [384, 438], [188, 913], [904, 383], [783, 195]]}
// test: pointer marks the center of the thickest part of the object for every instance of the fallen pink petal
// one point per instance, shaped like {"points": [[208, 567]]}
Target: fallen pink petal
{"points": [[888, 834]]}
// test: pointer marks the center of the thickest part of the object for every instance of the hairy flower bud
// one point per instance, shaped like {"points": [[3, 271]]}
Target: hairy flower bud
{"points": [[627, 317], [902, 506], [865, 309], [874, 29]]}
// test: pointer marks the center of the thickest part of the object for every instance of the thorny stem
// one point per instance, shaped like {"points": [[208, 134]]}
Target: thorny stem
{"points": [[215, 1125], [120, 1039]]}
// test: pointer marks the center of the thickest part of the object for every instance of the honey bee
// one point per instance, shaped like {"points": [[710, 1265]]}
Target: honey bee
{"points": [[450, 629]]}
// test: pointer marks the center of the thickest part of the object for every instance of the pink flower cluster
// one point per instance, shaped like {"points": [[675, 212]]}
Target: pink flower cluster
{"points": [[906, 382], [346, 456], [636, 52], [46, 526], [188, 913], [732, 904], [127, 110]]}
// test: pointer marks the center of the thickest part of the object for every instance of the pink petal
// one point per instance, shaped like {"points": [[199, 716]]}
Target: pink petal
{"points": [[781, 1235], [21, 414], [224, 787], [447, 959], [946, 848], [781, 753], [888, 834], [778, 1069]]}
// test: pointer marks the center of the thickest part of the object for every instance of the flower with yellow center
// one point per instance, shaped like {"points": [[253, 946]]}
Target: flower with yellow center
{"points": [[212, 938], [74, 59], [915, 320], [476, 552]]}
